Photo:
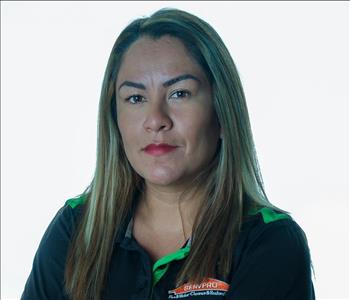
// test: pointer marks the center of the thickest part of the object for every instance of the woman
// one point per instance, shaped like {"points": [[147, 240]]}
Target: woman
{"points": [[176, 208]]}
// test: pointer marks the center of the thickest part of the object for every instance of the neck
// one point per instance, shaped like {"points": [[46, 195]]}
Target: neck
{"points": [[167, 211]]}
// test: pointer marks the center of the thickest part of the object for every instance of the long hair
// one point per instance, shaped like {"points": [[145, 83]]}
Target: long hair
{"points": [[232, 182]]}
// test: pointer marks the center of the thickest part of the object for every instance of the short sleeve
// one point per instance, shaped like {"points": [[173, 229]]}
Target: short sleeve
{"points": [[276, 266], [47, 275]]}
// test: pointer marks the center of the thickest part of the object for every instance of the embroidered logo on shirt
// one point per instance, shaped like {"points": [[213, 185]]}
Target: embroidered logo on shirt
{"points": [[210, 287]]}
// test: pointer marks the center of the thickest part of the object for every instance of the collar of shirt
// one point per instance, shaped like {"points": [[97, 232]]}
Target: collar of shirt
{"points": [[126, 232]]}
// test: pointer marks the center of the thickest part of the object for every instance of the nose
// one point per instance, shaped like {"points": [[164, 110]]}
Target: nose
{"points": [[157, 117]]}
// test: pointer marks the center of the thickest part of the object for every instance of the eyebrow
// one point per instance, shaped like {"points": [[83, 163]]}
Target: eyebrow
{"points": [[165, 84]]}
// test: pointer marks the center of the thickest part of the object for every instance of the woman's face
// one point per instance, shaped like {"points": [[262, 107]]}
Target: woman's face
{"points": [[164, 97]]}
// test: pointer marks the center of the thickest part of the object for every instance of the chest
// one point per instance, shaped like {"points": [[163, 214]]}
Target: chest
{"points": [[157, 244], [131, 276]]}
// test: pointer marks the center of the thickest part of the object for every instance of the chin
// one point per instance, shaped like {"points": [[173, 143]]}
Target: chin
{"points": [[163, 179], [160, 181]]}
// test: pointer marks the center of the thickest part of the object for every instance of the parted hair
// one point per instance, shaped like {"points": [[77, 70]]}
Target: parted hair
{"points": [[232, 182]]}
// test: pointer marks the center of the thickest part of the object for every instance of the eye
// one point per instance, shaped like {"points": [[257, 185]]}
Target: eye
{"points": [[134, 99], [181, 94]]}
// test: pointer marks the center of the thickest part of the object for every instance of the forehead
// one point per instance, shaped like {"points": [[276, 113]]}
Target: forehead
{"points": [[166, 55]]}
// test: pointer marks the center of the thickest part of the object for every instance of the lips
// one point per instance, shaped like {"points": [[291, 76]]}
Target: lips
{"points": [[156, 150]]}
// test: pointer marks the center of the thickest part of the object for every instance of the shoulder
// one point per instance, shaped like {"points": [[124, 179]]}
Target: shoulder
{"points": [[272, 251], [67, 217], [272, 254], [269, 225], [77, 202], [61, 228], [46, 278], [60, 231]]}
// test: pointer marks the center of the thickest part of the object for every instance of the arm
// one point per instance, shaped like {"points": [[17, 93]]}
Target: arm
{"points": [[276, 266], [47, 275]]}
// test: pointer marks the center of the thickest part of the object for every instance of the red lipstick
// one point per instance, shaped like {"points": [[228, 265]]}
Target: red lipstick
{"points": [[159, 149]]}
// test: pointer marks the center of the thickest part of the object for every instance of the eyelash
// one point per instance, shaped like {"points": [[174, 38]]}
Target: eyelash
{"points": [[188, 93], [132, 96]]}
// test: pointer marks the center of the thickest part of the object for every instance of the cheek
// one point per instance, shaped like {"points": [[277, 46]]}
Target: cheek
{"points": [[126, 127], [121, 126], [199, 127]]}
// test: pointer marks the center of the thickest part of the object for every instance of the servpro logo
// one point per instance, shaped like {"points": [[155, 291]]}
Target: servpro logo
{"points": [[210, 287]]}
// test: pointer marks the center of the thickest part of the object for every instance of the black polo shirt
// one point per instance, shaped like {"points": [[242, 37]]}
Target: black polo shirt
{"points": [[272, 263]]}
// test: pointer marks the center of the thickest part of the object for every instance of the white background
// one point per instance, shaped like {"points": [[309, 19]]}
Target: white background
{"points": [[293, 61]]}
